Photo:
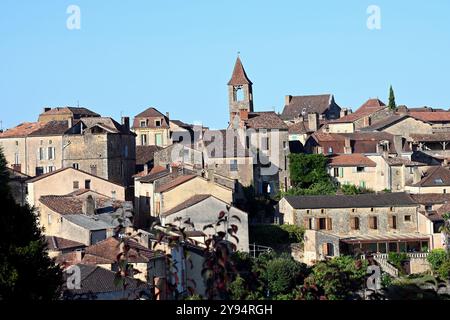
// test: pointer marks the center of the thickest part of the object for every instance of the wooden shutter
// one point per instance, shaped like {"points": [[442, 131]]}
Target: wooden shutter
{"points": [[317, 223], [353, 223], [329, 224], [325, 249], [306, 223]]}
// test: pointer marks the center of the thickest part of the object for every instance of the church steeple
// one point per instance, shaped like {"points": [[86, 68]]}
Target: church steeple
{"points": [[240, 94]]}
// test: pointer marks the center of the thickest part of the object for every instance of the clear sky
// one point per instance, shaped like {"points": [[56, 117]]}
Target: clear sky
{"points": [[178, 55]]}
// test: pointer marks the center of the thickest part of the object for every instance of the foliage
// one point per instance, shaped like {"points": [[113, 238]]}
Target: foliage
{"points": [[272, 235], [392, 105], [351, 189], [397, 259], [283, 274], [436, 258], [444, 270], [338, 278], [26, 271], [238, 289], [309, 176]]}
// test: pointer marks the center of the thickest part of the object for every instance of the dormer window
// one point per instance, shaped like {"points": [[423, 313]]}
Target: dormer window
{"points": [[142, 123], [157, 123], [438, 181]]}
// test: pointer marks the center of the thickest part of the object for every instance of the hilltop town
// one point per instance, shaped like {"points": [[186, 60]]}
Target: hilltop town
{"points": [[313, 184]]}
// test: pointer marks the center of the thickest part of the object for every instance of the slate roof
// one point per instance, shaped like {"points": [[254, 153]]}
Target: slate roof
{"points": [[51, 128], [308, 104], [398, 161], [368, 200], [351, 160], [239, 76], [188, 203], [265, 120], [75, 111], [431, 198], [150, 113], [437, 176], [146, 154], [88, 222], [106, 123]]}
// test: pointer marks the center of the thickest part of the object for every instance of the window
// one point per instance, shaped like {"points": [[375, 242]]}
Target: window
{"points": [[444, 191], [265, 143], [142, 123], [49, 218], [41, 153], [354, 223], [247, 142], [322, 210], [362, 184], [438, 181], [50, 141], [428, 207], [353, 210], [94, 169], [393, 222], [76, 185], [322, 224], [113, 195], [76, 166], [87, 184], [359, 169], [147, 198], [284, 144], [158, 139], [408, 218], [17, 143], [330, 150], [39, 171], [327, 249], [143, 139], [233, 165], [391, 209], [50, 169], [372, 209], [336, 172], [308, 223], [158, 207], [157, 123], [16, 158], [51, 153], [238, 93], [373, 223], [307, 211]]}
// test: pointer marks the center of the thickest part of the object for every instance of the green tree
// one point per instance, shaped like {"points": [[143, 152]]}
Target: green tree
{"points": [[351, 189], [436, 258], [309, 175], [392, 105], [338, 278], [445, 229], [26, 271]]}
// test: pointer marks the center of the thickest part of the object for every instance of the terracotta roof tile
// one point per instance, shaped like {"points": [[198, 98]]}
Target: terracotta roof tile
{"points": [[369, 107], [75, 111], [265, 120], [437, 116], [437, 176], [186, 204], [351, 160], [145, 154], [175, 183], [22, 130], [57, 243], [239, 77]]}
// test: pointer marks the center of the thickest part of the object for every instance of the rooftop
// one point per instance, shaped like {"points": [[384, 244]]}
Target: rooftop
{"points": [[369, 107], [367, 200], [239, 76], [175, 183], [265, 120], [351, 160], [299, 105], [436, 176]]}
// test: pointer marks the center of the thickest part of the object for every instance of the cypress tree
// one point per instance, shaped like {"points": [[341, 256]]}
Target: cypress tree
{"points": [[392, 106]]}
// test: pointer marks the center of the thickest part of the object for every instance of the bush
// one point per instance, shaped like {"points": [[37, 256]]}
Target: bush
{"points": [[351, 189], [271, 235], [396, 259], [436, 258], [283, 274], [444, 270]]}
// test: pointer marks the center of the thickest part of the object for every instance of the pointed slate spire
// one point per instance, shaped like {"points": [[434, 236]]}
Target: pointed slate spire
{"points": [[239, 76]]}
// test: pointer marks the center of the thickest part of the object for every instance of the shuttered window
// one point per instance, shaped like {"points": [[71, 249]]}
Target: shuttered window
{"points": [[393, 222], [354, 223], [329, 224], [373, 222]]}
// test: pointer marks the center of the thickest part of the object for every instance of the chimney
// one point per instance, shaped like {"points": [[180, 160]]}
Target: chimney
{"points": [[126, 123], [70, 122], [398, 144], [344, 112], [168, 115], [88, 207], [79, 254], [243, 114], [347, 146], [313, 122], [287, 100], [47, 109]]}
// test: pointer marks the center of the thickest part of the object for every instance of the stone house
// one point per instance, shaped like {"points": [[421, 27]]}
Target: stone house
{"points": [[83, 216], [58, 246], [434, 180], [18, 185], [102, 147], [365, 223], [152, 128], [67, 180], [204, 209], [373, 110]]}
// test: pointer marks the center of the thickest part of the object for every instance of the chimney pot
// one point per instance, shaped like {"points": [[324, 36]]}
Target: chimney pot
{"points": [[126, 123], [287, 99], [168, 115]]}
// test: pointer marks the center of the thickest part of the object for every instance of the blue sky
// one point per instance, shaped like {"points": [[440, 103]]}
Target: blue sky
{"points": [[177, 55]]}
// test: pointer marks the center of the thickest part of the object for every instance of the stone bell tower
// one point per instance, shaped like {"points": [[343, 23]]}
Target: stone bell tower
{"points": [[240, 95]]}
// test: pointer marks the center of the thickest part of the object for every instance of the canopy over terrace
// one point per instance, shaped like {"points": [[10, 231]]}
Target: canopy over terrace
{"points": [[394, 242]]}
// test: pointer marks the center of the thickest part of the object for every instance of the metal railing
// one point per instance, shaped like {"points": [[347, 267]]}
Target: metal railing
{"points": [[256, 250]]}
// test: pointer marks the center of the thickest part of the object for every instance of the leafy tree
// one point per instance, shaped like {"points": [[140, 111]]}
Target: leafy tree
{"points": [[436, 258], [445, 229], [283, 274], [444, 270], [238, 289], [392, 105], [295, 232], [338, 278], [26, 271], [397, 259]]}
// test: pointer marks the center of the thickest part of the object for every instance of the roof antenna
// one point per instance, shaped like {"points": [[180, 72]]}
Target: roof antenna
{"points": [[78, 103], [239, 54]]}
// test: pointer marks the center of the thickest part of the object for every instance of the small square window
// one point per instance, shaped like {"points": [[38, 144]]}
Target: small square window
{"points": [[408, 218], [158, 123], [142, 123], [76, 185], [307, 211], [371, 210], [353, 210]]}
